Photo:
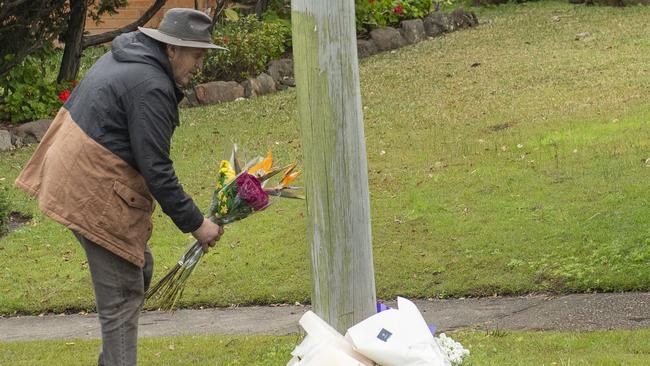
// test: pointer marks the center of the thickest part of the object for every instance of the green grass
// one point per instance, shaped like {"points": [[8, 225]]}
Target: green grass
{"points": [[523, 174], [604, 348], [190, 350], [621, 347]]}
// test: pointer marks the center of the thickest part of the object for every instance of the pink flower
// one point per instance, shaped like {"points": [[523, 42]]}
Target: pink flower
{"points": [[64, 95], [398, 10], [250, 190]]}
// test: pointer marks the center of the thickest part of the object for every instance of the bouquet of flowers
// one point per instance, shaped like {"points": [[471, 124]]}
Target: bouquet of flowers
{"points": [[454, 351], [238, 194]]}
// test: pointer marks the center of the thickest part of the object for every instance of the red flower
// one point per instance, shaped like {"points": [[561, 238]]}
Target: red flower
{"points": [[64, 95], [250, 190], [398, 10], [225, 40]]}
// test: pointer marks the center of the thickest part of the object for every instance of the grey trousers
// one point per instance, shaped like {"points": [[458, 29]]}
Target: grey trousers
{"points": [[119, 294]]}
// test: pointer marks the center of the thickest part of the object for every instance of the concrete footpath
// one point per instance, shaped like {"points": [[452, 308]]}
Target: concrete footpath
{"points": [[582, 312]]}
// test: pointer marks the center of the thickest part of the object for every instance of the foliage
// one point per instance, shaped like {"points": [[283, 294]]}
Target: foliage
{"points": [[26, 93], [99, 8], [28, 26], [251, 44], [379, 13], [29, 92], [279, 7], [89, 57]]}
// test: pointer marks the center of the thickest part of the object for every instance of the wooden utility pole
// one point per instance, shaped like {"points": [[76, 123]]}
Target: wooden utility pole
{"points": [[331, 118]]}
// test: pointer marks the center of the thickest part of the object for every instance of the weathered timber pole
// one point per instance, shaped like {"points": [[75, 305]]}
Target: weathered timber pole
{"points": [[331, 119]]}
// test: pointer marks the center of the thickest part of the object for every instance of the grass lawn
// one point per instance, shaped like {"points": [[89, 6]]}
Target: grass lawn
{"points": [[517, 348], [504, 159]]}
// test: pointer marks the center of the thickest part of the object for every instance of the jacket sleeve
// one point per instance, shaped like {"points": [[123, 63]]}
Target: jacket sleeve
{"points": [[152, 120]]}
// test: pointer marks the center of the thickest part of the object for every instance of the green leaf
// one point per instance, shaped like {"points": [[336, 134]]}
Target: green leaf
{"points": [[231, 15]]}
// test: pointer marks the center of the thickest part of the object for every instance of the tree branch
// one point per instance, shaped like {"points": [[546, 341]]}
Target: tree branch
{"points": [[4, 11], [108, 36], [218, 9]]}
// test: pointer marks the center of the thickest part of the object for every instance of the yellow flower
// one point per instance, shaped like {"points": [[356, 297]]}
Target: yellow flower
{"points": [[225, 164], [230, 175], [223, 210], [226, 171]]}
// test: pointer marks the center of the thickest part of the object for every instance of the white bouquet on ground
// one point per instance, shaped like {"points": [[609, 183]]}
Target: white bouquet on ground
{"points": [[393, 337], [454, 351]]}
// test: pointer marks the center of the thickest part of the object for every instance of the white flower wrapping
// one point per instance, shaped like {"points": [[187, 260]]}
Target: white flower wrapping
{"points": [[394, 337]]}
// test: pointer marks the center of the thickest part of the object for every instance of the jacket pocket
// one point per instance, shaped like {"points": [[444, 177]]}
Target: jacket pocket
{"points": [[127, 215]]}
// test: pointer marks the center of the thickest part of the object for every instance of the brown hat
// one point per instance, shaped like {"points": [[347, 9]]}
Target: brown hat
{"points": [[184, 27]]}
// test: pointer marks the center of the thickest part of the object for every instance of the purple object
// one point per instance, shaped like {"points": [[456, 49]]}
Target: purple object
{"points": [[432, 329], [381, 307]]}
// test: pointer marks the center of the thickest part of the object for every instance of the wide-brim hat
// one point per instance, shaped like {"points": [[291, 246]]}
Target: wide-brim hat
{"points": [[184, 27]]}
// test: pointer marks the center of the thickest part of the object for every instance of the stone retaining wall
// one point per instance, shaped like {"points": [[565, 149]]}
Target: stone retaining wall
{"points": [[279, 74]]}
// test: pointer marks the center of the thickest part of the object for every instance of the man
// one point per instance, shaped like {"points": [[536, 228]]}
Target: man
{"points": [[105, 158]]}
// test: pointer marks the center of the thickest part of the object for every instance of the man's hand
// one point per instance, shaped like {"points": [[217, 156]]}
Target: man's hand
{"points": [[208, 234]]}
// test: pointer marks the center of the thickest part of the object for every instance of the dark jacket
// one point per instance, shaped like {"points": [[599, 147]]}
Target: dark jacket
{"points": [[127, 102], [107, 152]]}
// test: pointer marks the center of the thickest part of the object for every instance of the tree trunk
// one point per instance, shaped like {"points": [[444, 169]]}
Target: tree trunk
{"points": [[334, 150], [260, 8], [73, 41]]}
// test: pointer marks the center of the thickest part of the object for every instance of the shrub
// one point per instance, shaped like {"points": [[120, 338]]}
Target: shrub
{"points": [[25, 92], [380, 13], [251, 43]]}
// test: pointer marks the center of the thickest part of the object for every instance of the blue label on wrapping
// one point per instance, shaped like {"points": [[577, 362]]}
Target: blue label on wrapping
{"points": [[384, 335]]}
